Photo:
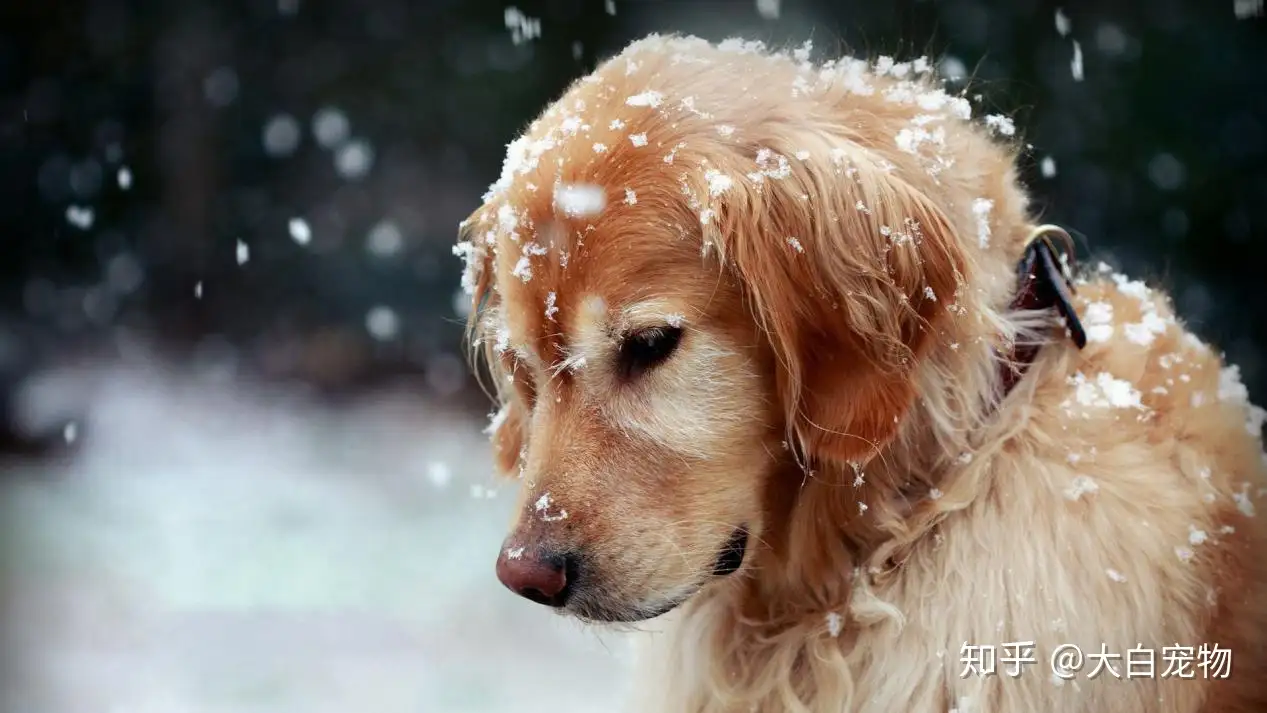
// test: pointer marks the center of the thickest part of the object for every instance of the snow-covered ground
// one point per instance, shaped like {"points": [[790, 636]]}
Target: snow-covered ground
{"points": [[227, 547]]}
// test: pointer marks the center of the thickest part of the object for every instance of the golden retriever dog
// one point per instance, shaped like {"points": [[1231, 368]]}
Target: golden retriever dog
{"points": [[785, 363]]}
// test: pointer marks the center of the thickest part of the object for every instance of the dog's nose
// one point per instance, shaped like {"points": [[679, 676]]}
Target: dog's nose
{"points": [[542, 577]]}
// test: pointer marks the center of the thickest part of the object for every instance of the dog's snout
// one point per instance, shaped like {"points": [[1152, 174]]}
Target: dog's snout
{"points": [[537, 575]]}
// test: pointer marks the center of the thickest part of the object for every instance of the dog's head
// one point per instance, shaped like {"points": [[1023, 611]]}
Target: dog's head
{"points": [[700, 265]]}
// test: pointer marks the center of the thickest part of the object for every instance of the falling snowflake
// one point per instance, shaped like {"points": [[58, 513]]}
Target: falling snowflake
{"points": [[299, 231], [522, 28], [1245, 9], [330, 127], [1062, 22], [354, 159], [81, 218], [243, 253], [382, 323], [439, 474]]}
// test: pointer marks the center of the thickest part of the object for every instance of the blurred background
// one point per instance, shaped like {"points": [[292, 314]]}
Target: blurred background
{"points": [[241, 466]]}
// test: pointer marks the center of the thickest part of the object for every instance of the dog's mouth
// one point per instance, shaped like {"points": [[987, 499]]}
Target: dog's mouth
{"points": [[729, 560]]}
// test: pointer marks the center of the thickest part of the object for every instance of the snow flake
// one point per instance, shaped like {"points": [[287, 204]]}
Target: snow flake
{"points": [[1146, 330], [910, 140], [638, 140], [81, 218], [1062, 22], [551, 308], [1075, 65], [1243, 503], [1230, 386], [124, 178], [1001, 124], [801, 54], [768, 9], [243, 253], [935, 494], [299, 231], [523, 269], [382, 323], [835, 624], [439, 474], [1115, 575], [796, 245], [514, 553], [981, 208], [600, 147], [1097, 319], [1048, 167], [542, 506], [522, 28], [631, 198], [1245, 9], [497, 419], [1103, 391], [648, 98], [1196, 535], [579, 200], [718, 182], [1081, 485]]}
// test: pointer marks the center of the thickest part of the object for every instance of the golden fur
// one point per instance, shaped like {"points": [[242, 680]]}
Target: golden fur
{"points": [[838, 244]]}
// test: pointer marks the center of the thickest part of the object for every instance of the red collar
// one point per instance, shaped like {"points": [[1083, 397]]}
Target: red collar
{"points": [[1042, 283]]}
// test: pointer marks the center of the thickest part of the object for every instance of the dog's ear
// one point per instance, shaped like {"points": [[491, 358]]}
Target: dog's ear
{"points": [[847, 267], [485, 336], [507, 434]]}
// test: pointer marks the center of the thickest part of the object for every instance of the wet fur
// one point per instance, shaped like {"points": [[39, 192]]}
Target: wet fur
{"points": [[835, 391]]}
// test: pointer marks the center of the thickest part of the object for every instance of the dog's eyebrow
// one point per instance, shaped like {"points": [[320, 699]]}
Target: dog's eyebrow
{"points": [[652, 313]]}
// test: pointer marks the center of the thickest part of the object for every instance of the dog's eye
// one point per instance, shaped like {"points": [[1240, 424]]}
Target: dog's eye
{"points": [[645, 349]]}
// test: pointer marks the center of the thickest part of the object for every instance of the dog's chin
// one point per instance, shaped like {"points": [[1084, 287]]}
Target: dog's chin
{"points": [[729, 560], [594, 613]]}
